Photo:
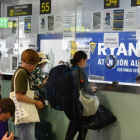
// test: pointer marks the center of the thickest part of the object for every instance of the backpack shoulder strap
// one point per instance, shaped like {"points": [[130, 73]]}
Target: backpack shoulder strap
{"points": [[79, 76]]}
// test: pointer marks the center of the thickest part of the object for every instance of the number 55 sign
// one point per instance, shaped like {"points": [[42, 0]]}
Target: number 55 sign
{"points": [[111, 4], [45, 6]]}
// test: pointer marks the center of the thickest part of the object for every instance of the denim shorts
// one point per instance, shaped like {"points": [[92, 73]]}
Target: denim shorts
{"points": [[26, 131]]}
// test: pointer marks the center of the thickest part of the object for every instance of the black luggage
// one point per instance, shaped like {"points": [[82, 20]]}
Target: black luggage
{"points": [[101, 119], [43, 130]]}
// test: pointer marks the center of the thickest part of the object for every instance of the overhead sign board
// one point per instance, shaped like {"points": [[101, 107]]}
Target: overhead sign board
{"points": [[111, 4], [135, 2], [45, 6], [19, 10]]}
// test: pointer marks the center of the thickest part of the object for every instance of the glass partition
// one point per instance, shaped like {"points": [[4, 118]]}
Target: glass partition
{"points": [[49, 28], [108, 31], [110, 36], [9, 44]]}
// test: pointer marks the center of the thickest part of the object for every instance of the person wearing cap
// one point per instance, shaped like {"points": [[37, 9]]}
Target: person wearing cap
{"points": [[36, 76]]}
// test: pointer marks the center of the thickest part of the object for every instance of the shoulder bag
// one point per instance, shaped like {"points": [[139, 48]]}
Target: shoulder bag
{"points": [[25, 112], [90, 102]]}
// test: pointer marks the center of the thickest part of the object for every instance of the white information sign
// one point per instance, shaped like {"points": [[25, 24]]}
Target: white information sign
{"points": [[138, 34], [58, 23], [138, 42], [129, 19], [68, 29], [68, 25], [96, 20], [111, 40]]}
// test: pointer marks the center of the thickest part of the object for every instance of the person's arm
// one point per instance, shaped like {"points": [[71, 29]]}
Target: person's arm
{"points": [[93, 88], [44, 82], [86, 85], [38, 80], [5, 137], [23, 98]]}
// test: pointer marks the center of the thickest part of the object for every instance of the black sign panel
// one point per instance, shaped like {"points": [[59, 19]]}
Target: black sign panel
{"points": [[135, 2], [19, 10], [111, 4], [45, 6]]}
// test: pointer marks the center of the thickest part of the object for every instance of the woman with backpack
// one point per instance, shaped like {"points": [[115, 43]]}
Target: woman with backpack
{"points": [[79, 60]]}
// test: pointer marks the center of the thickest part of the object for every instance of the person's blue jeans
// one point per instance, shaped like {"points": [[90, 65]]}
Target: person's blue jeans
{"points": [[26, 131]]}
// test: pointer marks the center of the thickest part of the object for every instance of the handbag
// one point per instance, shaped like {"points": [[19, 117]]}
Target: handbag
{"points": [[90, 103], [25, 112]]}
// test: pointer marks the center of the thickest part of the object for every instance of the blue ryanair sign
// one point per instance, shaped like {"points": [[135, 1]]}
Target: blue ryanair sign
{"points": [[126, 68], [126, 56]]}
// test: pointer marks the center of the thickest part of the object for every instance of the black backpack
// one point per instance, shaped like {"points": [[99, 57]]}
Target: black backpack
{"points": [[101, 119], [60, 92]]}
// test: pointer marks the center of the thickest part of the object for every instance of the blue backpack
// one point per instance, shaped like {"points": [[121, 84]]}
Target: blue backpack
{"points": [[60, 92]]}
